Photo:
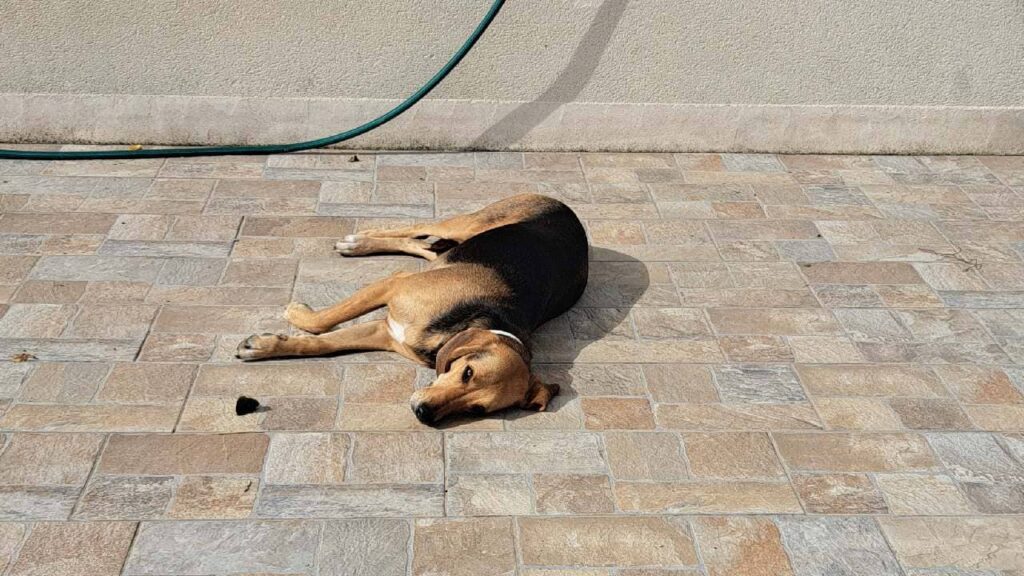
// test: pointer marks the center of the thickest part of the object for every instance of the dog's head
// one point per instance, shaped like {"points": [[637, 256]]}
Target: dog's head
{"points": [[479, 372]]}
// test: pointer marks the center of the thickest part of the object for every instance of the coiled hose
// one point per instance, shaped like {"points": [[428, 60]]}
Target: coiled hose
{"points": [[273, 148]]}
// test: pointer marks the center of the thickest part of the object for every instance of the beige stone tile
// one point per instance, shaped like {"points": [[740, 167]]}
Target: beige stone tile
{"points": [[679, 383], [855, 452], [112, 322], [857, 414], [49, 292], [397, 457], [707, 497], [147, 383], [824, 350], [11, 536], [737, 417], [736, 546], [670, 323], [307, 458], [489, 495], [182, 454], [64, 382], [573, 494], [745, 455], [49, 459], [283, 379], [90, 418], [82, 223], [605, 541], [469, 547], [645, 456], [756, 349], [214, 497], [870, 380], [74, 549], [378, 383], [617, 414], [35, 320], [125, 498], [969, 543], [177, 348], [922, 495], [140, 227], [838, 494], [649, 351], [997, 418], [524, 451], [979, 384], [860, 273], [375, 546], [930, 414], [778, 321]]}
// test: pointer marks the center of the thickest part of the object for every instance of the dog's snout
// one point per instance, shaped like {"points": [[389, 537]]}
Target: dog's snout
{"points": [[424, 413]]}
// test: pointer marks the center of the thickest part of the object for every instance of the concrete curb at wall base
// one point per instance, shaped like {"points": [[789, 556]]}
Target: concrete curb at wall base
{"points": [[497, 125]]}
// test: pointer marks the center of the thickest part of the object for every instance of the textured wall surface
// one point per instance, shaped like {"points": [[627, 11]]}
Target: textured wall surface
{"points": [[936, 54]]}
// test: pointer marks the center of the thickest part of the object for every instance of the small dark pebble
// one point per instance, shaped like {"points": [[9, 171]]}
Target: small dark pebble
{"points": [[246, 405], [354, 158]]}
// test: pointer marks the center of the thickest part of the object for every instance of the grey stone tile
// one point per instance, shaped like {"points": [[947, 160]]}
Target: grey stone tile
{"points": [[365, 546], [752, 163], [68, 350], [223, 548], [351, 501], [192, 272], [97, 268], [516, 452], [1002, 498], [872, 325], [125, 498], [165, 249], [976, 457], [37, 502], [805, 250], [1013, 299], [847, 296], [758, 384], [11, 377], [837, 547], [375, 210]]}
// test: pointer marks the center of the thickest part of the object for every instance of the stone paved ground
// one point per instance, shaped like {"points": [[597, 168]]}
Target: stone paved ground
{"points": [[798, 365]]}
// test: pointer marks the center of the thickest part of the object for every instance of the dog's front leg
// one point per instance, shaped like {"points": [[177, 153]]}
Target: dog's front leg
{"points": [[367, 299], [360, 337]]}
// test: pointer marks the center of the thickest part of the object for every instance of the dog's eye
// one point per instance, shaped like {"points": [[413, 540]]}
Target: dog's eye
{"points": [[467, 374]]}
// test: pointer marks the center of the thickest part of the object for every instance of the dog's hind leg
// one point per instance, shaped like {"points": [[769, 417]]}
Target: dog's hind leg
{"points": [[364, 245], [361, 337], [366, 299]]}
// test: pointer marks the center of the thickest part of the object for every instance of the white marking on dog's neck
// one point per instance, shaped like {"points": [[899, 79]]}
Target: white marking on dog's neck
{"points": [[396, 330], [512, 336]]}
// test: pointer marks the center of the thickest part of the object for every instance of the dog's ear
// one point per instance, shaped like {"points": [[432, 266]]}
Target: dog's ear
{"points": [[463, 343], [539, 395]]}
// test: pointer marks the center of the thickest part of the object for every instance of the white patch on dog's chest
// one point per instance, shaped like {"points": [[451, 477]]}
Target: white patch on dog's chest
{"points": [[396, 330]]}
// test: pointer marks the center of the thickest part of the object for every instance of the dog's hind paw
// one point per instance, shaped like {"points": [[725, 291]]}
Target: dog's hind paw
{"points": [[257, 347]]}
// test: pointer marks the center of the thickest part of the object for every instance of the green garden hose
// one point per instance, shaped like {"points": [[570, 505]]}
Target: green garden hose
{"points": [[273, 148]]}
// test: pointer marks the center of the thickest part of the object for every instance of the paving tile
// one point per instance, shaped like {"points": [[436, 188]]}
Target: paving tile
{"points": [[177, 319], [214, 497], [191, 272], [177, 348], [49, 292], [351, 501], [679, 383], [307, 458], [97, 268], [90, 418], [573, 494], [707, 497], [838, 494], [645, 456], [670, 323], [872, 325], [930, 414], [861, 273], [858, 414], [744, 455], [870, 380], [14, 269], [104, 292], [147, 383], [112, 322], [397, 458], [922, 495], [35, 320], [364, 546], [598, 380], [837, 546], [488, 495], [967, 543], [178, 454], [758, 384], [140, 227], [779, 321], [82, 223], [223, 547], [74, 549], [739, 417], [37, 502], [11, 536], [737, 546], [114, 248], [470, 547], [64, 382], [49, 459], [856, 452], [517, 452], [976, 457], [125, 498], [756, 349], [617, 414], [605, 541], [823, 350]]}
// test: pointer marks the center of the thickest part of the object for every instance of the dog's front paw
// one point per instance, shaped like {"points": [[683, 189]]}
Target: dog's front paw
{"points": [[257, 347], [353, 245]]}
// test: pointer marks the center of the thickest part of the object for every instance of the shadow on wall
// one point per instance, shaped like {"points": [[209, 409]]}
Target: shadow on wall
{"points": [[616, 284], [567, 86]]}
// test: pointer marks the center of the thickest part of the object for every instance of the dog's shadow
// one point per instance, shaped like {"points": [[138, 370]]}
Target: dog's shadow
{"points": [[616, 283]]}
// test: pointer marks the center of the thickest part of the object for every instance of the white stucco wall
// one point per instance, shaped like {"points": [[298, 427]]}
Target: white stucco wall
{"points": [[789, 75]]}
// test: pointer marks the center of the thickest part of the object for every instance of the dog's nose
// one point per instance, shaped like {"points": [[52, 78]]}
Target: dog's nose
{"points": [[424, 413]]}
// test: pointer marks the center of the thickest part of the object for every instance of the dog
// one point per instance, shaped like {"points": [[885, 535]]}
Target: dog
{"points": [[494, 276]]}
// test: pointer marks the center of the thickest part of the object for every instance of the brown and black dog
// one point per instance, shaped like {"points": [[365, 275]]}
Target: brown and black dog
{"points": [[495, 276]]}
